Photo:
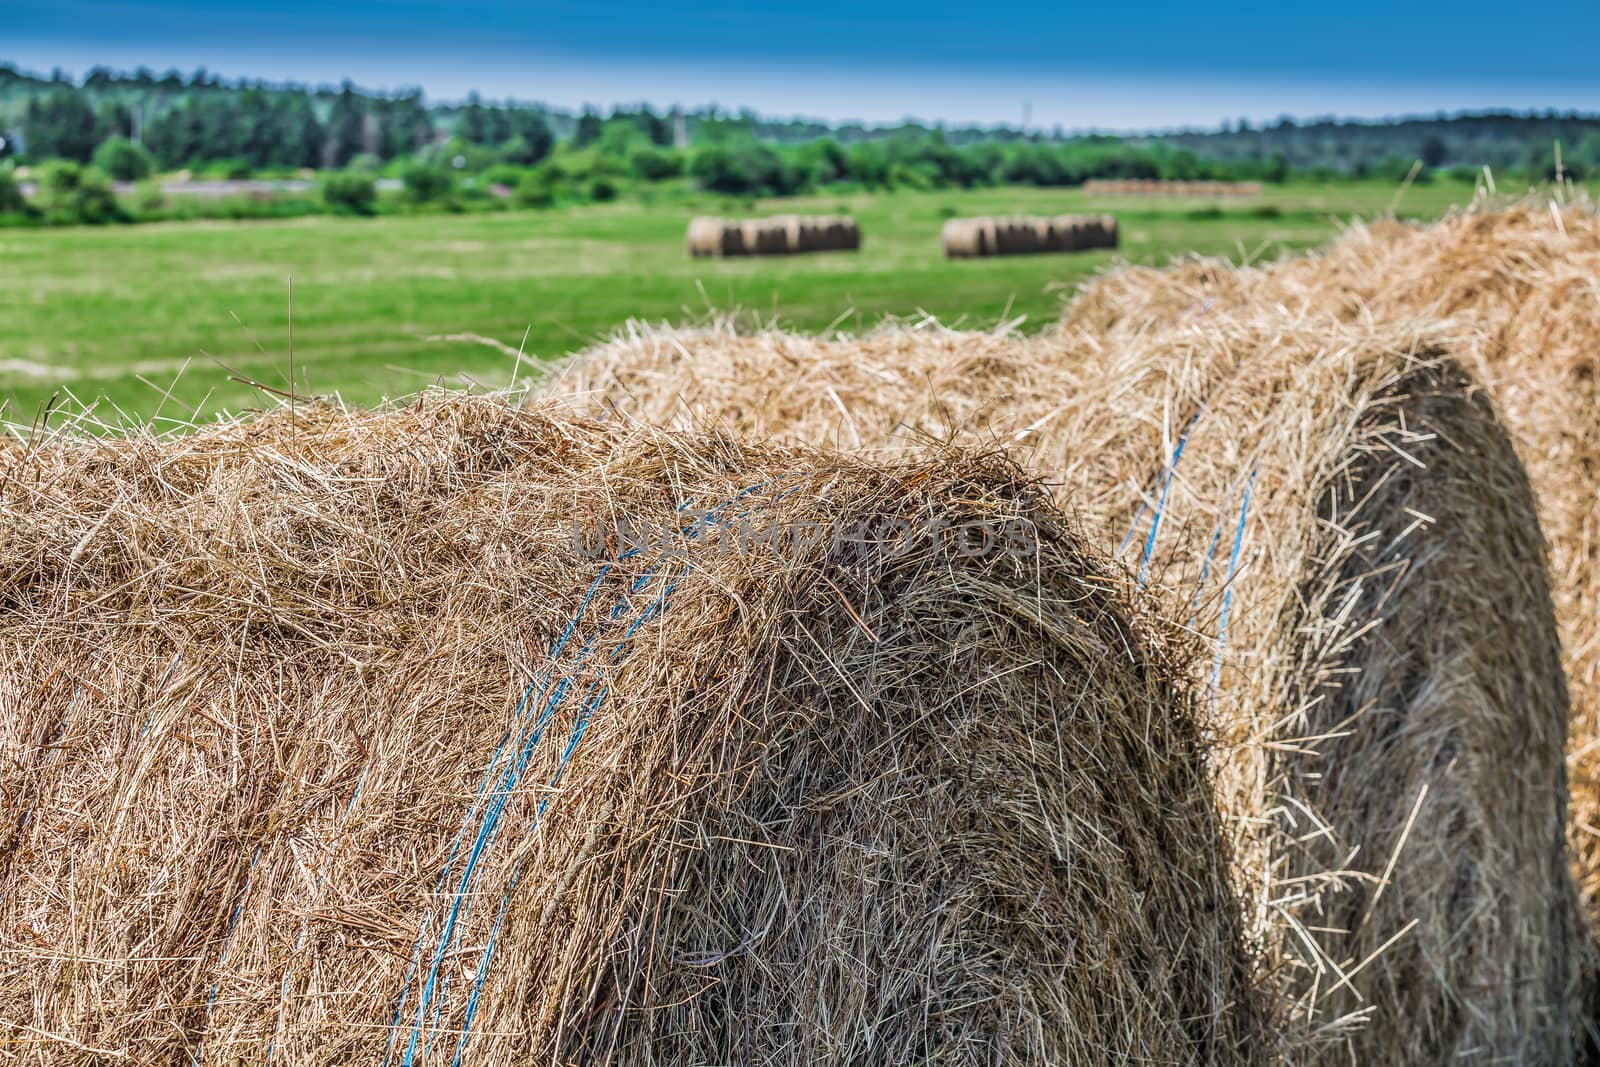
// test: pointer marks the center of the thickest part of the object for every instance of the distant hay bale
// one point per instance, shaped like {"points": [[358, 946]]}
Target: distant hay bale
{"points": [[1018, 235], [774, 236], [1338, 508], [457, 732], [715, 237], [1158, 187], [963, 238]]}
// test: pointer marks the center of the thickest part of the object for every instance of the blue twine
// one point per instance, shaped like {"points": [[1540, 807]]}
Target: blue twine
{"points": [[1168, 469], [1161, 504], [222, 960], [494, 808], [1227, 592]]}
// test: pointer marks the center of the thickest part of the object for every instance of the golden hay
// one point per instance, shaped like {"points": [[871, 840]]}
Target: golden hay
{"points": [[336, 737], [777, 235], [1522, 284], [1397, 805]]}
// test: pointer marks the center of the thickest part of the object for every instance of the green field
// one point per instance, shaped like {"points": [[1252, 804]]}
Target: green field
{"points": [[125, 312]]}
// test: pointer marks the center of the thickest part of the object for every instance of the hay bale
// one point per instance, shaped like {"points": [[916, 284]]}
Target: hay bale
{"points": [[766, 237], [773, 236], [966, 238], [826, 233], [1519, 281], [715, 237], [1018, 235], [1476, 918], [457, 729]]}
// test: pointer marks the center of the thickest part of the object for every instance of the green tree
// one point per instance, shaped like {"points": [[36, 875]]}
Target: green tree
{"points": [[60, 125], [346, 127], [534, 130], [1434, 151], [123, 160], [589, 129]]}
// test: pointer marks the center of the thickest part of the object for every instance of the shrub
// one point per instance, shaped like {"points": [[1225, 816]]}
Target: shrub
{"points": [[349, 191], [655, 164], [69, 194], [536, 189], [746, 167], [124, 160], [602, 189], [424, 183], [149, 197], [12, 201]]}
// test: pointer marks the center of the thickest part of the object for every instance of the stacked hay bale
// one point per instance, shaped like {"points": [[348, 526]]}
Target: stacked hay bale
{"points": [[775, 236], [1027, 234], [460, 734], [1159, 187], [1339, 509]]}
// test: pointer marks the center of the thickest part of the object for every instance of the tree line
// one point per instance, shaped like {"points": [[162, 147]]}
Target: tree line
{"points": [[129, 126]]}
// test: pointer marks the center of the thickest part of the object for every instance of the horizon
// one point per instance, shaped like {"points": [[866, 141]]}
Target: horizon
{"points": [[1167, 69]]}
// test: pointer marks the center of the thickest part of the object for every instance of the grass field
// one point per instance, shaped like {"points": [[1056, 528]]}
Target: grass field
{"points": [[135, 313]]}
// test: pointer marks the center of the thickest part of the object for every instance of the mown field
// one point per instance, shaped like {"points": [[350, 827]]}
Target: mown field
{"points": [[157, 318]]}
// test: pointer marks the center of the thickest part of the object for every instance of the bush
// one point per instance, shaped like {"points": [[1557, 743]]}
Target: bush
{"points": [[12, 201], [655, 164], [149, 197], [746, 167], [536, 189], [124, 160], [601, 189], [70, 194], [424, 183], [349, 191]]}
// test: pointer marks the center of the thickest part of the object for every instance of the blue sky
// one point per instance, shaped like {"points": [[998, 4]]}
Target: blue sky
{"points": [[1101, 65]]}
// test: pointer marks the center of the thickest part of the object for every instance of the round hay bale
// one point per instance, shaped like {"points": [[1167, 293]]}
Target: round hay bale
{"points": [[1519, 281], [1108, 231], [1045, 234], [1476, 915], [845, 234], [1395, 618], [715, 237], [705, 236], [965, 238], [456, 732], [1017, 235], [1069, 233], [766, 237]]}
